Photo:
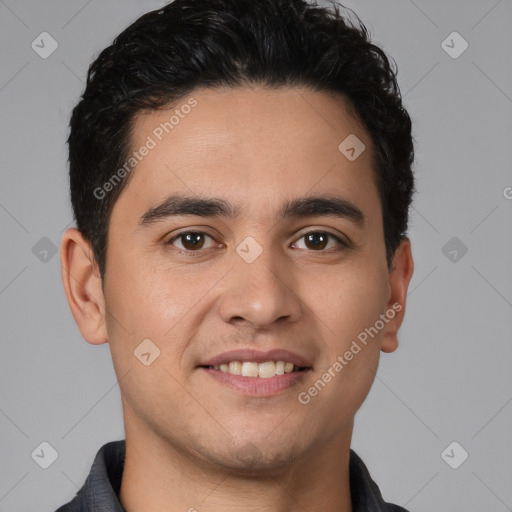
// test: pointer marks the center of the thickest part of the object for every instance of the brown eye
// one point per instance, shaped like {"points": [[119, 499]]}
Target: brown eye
{"points": [[319, 240], [190, 240], [316, 240]]}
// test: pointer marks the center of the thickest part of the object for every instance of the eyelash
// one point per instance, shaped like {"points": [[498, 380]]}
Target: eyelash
{"points": [[191, 253]]}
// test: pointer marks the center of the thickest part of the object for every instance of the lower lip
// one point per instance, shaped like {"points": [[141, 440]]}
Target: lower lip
{"points": [[257, 386]]}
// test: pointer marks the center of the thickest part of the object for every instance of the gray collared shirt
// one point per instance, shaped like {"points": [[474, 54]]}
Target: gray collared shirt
{"points": [[101, 489]]}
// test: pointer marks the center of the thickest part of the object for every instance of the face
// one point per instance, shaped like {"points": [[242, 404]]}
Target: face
{"points": [[267, 270]]}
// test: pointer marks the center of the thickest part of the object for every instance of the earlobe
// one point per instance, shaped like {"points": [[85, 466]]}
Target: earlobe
{"points": [[82, 284], [398, 283]]}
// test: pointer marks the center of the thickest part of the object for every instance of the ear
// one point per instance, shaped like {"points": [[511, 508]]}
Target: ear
{"points": [[82, 284], [400, 275]]}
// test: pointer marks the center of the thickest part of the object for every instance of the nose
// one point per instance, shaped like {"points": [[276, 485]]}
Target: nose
{"points": [[259, 293]]}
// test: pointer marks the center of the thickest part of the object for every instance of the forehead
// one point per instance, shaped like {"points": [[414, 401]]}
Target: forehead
{"points": [[252, 145]]}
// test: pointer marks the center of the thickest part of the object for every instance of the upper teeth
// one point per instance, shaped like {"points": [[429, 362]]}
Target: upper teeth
{"points": [[250, 369]]}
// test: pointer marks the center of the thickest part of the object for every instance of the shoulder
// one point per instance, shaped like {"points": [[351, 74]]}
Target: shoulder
{"points": [[365, 493]]}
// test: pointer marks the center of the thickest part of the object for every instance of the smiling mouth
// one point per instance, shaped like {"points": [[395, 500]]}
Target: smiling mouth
{"points": [[252, 369]]}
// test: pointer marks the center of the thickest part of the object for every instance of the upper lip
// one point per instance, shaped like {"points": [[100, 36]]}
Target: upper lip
{"points": [[257, 356]]}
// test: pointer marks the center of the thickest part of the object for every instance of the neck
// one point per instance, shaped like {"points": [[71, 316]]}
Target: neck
{"points": [[158, 476]]}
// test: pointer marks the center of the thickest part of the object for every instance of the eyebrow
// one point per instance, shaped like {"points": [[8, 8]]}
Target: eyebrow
{"points": [[308, 206]]}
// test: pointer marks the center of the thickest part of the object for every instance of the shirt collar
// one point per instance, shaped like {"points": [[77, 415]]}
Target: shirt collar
{"points": [[101, 488]]}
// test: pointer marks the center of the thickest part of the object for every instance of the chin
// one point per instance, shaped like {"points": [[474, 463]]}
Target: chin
{"points": [[247, 458]]}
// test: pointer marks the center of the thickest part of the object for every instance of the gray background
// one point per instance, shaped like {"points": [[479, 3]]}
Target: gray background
{"points": [[450, 379]]}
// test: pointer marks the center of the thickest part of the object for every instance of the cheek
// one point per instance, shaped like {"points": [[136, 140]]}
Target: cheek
{"points": [[356, 299], [163, 302], [149, 303], [348, 300], [144, 298]]}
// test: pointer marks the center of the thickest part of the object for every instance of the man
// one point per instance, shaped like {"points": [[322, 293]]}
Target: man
{"points": [[240, 176]]}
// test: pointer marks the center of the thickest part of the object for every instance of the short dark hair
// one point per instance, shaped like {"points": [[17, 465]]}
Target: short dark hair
{"points": [[187, 44]]}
